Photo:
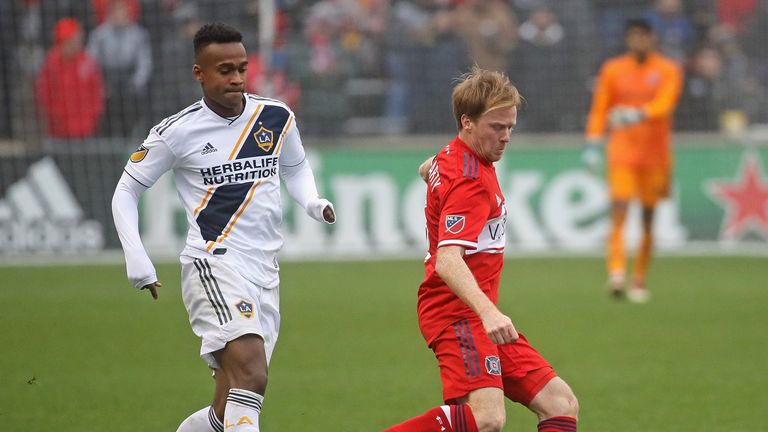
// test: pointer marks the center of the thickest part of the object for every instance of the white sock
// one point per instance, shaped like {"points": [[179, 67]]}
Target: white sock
{"points": [[203, 420], [447, 411], [242, 411]]}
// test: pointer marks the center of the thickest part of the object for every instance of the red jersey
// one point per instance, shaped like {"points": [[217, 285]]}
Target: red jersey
{"points": [[465, 207]]}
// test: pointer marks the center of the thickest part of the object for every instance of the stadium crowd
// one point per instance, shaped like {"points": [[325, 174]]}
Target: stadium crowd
{"points": [[78, 69]]}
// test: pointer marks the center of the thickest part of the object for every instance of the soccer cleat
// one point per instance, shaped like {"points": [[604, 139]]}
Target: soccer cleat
{"points": [[638, 293], [616, 284]]}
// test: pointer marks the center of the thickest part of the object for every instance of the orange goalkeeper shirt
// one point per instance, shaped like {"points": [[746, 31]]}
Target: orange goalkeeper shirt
{"points": [[654, 87]]}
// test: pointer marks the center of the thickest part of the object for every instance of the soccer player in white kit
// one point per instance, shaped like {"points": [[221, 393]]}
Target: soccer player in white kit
{"points": [[226, 152]]}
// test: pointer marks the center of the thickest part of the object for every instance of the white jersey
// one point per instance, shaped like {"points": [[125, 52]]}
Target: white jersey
{"points": [[226, 173]]}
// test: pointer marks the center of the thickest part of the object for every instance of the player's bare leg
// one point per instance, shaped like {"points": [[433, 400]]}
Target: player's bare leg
{"points": [[488, 408], [220, 394], [616, 255], [638, 293], [556, 406], [244, 368]]}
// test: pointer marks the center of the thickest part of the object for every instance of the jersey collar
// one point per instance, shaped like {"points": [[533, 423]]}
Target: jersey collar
{"points": [[246, 105], [459, 143]]}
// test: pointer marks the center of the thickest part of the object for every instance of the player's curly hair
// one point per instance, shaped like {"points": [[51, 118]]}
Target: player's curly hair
{"points": [[480, 91], [215, 33]]}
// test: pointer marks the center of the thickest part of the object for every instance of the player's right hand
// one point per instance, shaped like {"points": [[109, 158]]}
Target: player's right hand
{"points": [[592, 156], [152, 288], [499, 328]]}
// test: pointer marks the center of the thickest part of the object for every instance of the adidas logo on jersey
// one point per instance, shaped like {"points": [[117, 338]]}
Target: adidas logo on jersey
{"points": [[209, 148]]}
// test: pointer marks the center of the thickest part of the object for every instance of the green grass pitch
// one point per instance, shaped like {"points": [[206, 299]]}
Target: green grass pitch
{"points": [[82, 351]]}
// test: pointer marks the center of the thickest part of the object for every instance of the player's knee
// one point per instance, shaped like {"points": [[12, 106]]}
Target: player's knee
{"points": [[490, 420], [564, 403], [250, 376]]}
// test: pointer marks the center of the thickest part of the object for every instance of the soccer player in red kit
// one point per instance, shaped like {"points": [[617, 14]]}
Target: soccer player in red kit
{"points": [[482, 357]]}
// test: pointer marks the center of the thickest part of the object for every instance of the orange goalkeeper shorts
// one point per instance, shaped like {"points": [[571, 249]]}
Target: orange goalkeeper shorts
{"points": [[649, 184]]}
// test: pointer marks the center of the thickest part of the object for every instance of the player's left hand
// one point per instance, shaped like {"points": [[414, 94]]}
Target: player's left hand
{"points": [[328, 214], [622, 116], [321, 210], [152, 288]]}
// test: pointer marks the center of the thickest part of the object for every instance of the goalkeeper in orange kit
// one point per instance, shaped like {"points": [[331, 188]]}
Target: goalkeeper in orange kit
{"points": [[634, 99]]}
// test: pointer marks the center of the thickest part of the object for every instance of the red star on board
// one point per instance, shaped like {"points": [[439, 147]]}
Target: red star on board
{"points": [[745, 201]]}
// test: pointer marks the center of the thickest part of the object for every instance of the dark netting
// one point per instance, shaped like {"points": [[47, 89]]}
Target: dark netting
{"points": [[81, 81]]}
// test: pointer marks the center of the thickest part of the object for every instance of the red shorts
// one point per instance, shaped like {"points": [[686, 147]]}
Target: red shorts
{"points": [[468, 361]]}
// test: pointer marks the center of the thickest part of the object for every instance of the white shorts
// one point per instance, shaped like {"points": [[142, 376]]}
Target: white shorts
{"points": [[222, 306]]}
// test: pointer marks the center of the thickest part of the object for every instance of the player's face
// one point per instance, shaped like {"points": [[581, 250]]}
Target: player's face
{"points": [[639, 40], [221, 70], [490, 134]]}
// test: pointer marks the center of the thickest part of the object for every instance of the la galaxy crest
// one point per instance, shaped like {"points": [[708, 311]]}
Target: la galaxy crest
{"points": [[265, 139], [139, 155], [245, 308]]}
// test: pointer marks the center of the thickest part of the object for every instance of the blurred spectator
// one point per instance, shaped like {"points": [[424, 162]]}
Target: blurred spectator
{"points": [[404, 19], [271, 83], [702, 96], [434, 57], [7, 44], [743, 95], [122, 49], [173, 83], [322, 66], [101, 9], [69, 89], [611, 15], [489, 29], [733, 14], [755, 47], [673, 29], [543, 72], [368, 36]]}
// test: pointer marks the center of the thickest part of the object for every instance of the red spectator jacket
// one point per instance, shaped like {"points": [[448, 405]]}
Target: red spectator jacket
{"points": [[70, 94]]}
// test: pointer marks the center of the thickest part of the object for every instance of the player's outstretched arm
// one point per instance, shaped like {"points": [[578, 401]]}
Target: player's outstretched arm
{"points": [[453, 270], [141, 272]]}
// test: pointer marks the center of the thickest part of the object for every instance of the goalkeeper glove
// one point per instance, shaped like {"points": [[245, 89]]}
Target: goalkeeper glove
{"points": [[625, 116], [592, 156]]}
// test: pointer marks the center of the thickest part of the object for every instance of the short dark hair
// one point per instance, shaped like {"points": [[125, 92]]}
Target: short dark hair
{"points": [[638, 23], [215, 33]]}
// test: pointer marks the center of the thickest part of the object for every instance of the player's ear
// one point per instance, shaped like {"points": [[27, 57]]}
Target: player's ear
{"points": [[197, 71], [466, 122]]}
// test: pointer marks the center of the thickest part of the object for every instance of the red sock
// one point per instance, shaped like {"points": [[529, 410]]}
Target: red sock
{"points": [[435, 420], [558, 424], [462, 418]]}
